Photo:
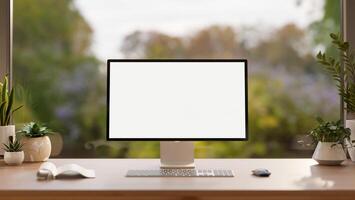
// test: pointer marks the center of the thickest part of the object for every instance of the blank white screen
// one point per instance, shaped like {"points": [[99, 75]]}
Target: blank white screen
{"points": [[177, 100]]}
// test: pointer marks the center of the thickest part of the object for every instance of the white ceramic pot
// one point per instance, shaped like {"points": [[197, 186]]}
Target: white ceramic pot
{"points": [[36, 149], [5, 132], [14, 158], [351, 150], [329, 153]]}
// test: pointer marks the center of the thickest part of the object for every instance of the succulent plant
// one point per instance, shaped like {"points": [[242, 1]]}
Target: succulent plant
{"points": [[6, 103], [34, 129], [13, 146]]}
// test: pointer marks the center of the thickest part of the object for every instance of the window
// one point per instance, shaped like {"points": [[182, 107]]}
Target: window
{"points": [[60, 49]]}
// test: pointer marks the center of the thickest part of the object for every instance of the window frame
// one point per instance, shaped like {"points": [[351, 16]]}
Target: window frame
{"points": [[6, 39], [348, 33]]}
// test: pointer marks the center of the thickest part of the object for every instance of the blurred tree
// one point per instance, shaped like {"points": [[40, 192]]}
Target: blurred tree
{"points": [[214, 42], [281, 78], [158, 45], [52, 61], [329, 23], [287, 48]]}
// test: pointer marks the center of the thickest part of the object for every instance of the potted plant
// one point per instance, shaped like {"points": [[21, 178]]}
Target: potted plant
{"points": [[36, 143], [6, 111], [331, 139], [342, 70], [13, 152]]}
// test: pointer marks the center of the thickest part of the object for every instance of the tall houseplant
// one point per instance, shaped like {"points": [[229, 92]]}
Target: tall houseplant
{"points": [[6, 111], [342, 70]]}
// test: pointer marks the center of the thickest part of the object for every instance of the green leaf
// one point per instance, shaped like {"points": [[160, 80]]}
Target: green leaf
{"points": [[9, 107], [319, 120], [4, 91], [2, 111], [16, 109], [319, 55], [333, 36]]}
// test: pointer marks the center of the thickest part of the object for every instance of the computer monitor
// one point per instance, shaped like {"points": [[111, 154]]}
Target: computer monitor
{"points": [[174, 100]]}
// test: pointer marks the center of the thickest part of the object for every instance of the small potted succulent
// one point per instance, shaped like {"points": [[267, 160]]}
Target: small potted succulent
{"points": [[36, 143], [6, 111], [331, 139], [13, 152]]}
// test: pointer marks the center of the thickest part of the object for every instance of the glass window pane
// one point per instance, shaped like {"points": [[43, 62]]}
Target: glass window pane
{"points": [[61, 47]]}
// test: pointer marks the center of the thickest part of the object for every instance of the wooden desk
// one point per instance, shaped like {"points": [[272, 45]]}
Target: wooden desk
{"points": [[290, 179]]}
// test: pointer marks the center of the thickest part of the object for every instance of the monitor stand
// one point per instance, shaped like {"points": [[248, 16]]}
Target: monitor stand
{"points": [[176, 154]]}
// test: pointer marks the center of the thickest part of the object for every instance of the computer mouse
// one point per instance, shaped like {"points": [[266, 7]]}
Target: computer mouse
{"points": [[261, 172]]}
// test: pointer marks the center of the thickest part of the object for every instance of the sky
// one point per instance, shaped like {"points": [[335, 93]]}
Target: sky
{"points": [[112, 20]]}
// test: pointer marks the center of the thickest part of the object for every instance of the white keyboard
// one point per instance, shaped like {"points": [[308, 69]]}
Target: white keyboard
{"points": [[181, 173]]}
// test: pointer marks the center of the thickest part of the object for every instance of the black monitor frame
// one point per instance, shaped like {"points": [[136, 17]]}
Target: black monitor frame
{"points": [[109, 61]]}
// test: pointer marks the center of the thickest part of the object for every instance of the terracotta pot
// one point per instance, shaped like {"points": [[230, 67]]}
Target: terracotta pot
{"points": [[36, 149], [5, 132], [329, 153], [14, 158]]}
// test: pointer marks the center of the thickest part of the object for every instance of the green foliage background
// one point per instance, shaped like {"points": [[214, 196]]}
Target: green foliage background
{"points": [[61, 82]]}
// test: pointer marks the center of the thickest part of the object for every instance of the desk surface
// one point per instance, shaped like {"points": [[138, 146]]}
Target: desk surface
{"points": [[290, 175]]}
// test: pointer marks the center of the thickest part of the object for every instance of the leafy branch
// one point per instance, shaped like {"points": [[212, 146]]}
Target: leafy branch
{"points": [[345, 79]]}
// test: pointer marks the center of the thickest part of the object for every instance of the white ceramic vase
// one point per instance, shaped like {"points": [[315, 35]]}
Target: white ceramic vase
{"points": [[351, 150], [36, 149], [14, 158], [5, 132], [329, 153]]}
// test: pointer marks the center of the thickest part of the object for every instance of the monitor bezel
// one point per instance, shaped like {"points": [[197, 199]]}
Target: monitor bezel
{"points": [[109, 61]]}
